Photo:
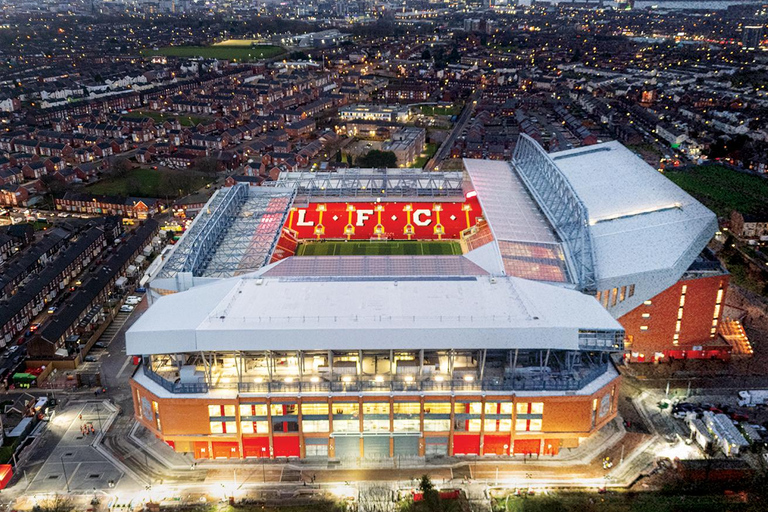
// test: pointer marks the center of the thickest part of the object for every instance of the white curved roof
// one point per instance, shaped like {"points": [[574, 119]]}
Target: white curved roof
{"points": [[352, 313], [640, 221]]}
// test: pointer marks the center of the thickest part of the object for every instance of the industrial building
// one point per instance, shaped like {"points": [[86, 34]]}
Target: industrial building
{"points": [[250, 350]]}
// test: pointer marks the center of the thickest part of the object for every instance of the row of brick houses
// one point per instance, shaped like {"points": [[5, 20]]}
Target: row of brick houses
{"points": [[66, 334], [38, 289], [132, 207]]}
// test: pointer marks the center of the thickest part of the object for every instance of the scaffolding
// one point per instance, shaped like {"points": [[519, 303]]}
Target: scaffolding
{"points": [[565, 211], [235, 233]]}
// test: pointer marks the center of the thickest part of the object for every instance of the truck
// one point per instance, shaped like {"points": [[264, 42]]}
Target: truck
{"points": [[753, 397]]}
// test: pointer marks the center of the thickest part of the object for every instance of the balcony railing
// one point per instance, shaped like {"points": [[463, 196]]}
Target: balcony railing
{"points": [[552, 382]]}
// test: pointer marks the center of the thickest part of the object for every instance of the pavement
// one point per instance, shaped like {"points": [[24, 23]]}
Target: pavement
{"points": [[122, 462]]}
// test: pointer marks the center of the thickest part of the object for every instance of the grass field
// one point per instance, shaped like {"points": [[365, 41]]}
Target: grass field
{"points": [[161, 116], [224, 52], [722, 189], [149, 183], [624, 502], [441, 110], [408, 248], [421, 161]]}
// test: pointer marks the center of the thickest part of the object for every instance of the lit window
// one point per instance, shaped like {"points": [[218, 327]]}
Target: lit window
{"points": [[406, 425], [614, 296], [315, 426], [647, 303], [376, 425], [346, 408], [253, 409], [506, 408], [521, 425], [229, 410], [437, 408], [376, 408], [474, 425], [622, 293], [679, 313], [535, 426], [214, 411], [437, 425], [346, 426], [254, 427], [314, 408], [217, 427], [643, 327], [521, 408], [407, 408], [646, 315], [282, 409], [685, 289], [537, 408], [505, 425]]}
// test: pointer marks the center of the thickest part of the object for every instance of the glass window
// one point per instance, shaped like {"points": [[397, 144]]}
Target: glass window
{"points": [[521, 425], [253, 409], [315, 426], [214, 411], [375, 425], [474, 425], [489, 426], [217, 427], [376, 408], [535, 425], [437, 425], [537, 408], [407, 425], [254, 427], [521, 408], [407, 408], [281, 425], [230, 427], [316, 408], [468, 408], [229, 410], [506, 408], [491, 407], [505, 425], [282, 409], [346, 426], [345, 408], [437, 408]]}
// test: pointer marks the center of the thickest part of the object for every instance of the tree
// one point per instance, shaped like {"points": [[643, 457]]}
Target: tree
{"points": [[206, 165], [120, 167], [425, 55], [133, 186], [378, 159], [56, 503], [431, 498]]}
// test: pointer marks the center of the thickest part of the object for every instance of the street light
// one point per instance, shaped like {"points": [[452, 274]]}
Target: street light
{"points": [[263, 464]]}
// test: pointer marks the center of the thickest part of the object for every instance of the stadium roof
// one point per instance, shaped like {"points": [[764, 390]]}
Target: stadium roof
{"points": [[393, 182], [351, 313], [616, 221], [632, 206], [234, 233]]}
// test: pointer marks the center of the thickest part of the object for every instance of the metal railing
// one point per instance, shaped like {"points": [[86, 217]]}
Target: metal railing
{"points": [[552, 382]]}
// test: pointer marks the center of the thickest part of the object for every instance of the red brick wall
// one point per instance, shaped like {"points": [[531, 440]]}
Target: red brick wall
{"points": [[695, 326]]}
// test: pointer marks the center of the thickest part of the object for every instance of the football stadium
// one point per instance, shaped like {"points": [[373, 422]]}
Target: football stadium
{"points": [[369, 314]]}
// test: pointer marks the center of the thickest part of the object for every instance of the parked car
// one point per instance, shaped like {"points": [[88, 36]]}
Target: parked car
{"points": [[126, 308], [90, 359], [141, 290]]}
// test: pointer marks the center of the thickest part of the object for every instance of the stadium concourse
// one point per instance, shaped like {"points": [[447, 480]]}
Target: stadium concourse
{"points": [[257, 346]]}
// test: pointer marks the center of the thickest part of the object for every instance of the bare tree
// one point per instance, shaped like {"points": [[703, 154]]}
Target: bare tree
{"points": [[56, 503]]}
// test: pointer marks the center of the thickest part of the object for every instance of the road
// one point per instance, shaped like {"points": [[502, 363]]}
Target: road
{"points": [[445, 148]]}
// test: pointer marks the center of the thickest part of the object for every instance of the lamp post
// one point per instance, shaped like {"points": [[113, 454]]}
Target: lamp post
{"points": [[263, 465]]}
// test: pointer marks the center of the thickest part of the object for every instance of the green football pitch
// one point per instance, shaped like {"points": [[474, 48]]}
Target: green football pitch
{"points": [[375, 248]]}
